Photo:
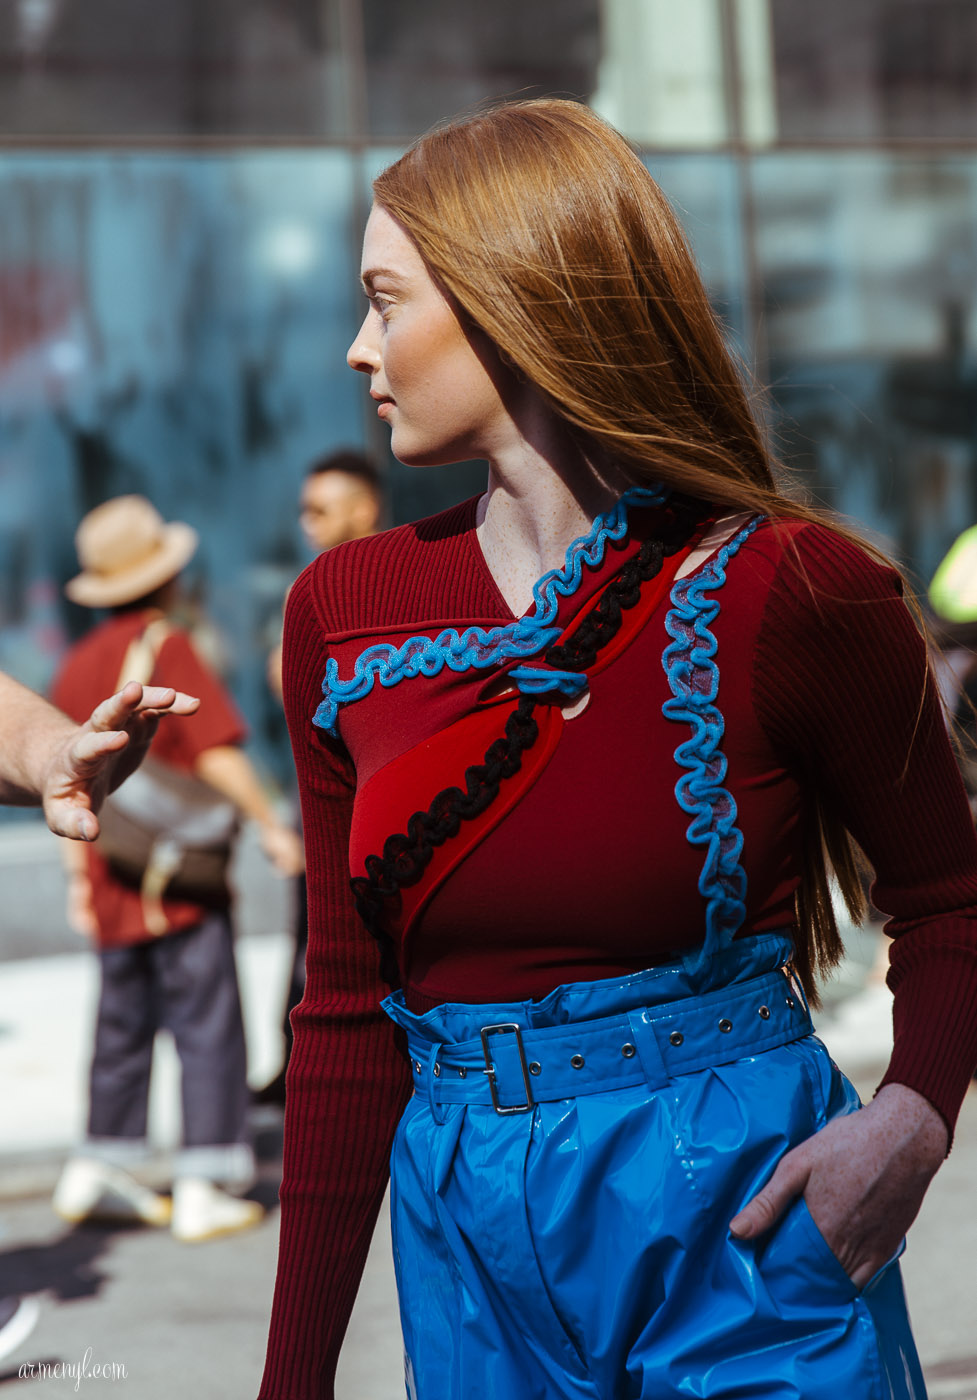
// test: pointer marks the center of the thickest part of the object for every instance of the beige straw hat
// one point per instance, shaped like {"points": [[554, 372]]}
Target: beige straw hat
{"points": [[126, 550]]}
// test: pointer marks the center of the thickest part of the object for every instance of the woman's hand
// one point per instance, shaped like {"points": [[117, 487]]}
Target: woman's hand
{"points": [[94, 759], [863, 1178]]}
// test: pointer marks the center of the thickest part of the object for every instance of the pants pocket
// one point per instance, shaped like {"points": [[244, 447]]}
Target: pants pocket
{"points": [[797, 1263]]}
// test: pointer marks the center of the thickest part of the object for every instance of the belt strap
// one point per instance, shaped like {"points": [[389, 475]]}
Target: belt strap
{"points": [[510, 1067]]}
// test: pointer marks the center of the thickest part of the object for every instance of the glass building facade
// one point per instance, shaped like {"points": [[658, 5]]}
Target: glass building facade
{"points": [[183, 188]]}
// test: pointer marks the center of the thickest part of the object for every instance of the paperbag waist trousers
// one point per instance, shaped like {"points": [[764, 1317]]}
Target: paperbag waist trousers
{"points": [[561, 1197]]}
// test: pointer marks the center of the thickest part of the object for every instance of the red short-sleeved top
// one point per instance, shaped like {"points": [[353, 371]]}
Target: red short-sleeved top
{"points": [[90, 672]]}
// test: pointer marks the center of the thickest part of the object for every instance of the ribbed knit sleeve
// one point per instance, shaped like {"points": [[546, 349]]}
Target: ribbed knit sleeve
{"points": [[347, 1082], [842, 688]]}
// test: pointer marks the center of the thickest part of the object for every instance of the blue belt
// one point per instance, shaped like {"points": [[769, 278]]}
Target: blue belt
{"points": [[510, 1067]]}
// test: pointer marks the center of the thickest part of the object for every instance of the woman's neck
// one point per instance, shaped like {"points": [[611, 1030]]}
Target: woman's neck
{"points": [[536, 505]]}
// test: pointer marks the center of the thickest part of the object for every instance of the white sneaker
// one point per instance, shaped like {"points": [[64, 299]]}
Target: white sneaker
{"points": [[202, 1211], [92, 1190], [17, 1319]]}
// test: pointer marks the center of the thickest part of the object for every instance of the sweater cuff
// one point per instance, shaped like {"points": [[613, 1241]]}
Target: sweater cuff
{"points": [[934, 1015]]}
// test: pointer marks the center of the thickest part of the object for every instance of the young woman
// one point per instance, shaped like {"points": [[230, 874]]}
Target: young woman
{"points": [[582, 745]]}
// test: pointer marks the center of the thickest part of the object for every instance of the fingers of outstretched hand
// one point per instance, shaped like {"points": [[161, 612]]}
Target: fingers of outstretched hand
{"points": [[71, 817], [114, 712], [159, 700], [769, 1204], [146, 701], [94, 747]]}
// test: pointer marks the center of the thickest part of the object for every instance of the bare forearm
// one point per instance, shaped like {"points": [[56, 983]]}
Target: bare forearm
{"points": [[31, 732], [230, 771]]}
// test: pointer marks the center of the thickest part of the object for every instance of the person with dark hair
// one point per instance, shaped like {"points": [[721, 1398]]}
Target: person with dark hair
{"points": [[341, 499], [158, 911], [577, 758]]}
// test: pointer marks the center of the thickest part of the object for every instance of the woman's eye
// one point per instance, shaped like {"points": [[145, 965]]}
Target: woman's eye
{"points": [[379, 303]]}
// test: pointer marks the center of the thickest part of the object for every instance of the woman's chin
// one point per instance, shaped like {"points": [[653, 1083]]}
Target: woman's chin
{"points": [[416, 456]]}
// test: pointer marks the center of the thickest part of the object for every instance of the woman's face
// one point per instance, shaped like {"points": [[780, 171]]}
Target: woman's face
{"points": [[435, 383]]}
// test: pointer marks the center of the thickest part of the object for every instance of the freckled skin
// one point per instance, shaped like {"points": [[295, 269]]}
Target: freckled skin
{"points": [[441, 401], [863, 1178], [448, 397]]}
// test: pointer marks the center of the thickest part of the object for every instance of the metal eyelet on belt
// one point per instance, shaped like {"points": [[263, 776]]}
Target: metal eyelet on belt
{"points": [[535, 1067], [791, 1003], [463, 1073], [628, 1050], [437, 1070], [676, 1038], [417, 1066], [725, 1025], [764, 1013], [577, 1061]]}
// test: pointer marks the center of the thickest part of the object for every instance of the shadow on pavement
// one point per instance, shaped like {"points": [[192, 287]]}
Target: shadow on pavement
{"points": [[67, 1266]]}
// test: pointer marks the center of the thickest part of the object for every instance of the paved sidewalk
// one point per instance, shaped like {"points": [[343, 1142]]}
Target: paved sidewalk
{"points": [[136, 1296]]}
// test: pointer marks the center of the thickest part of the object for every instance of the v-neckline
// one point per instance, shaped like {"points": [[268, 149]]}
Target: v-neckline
{"points": [[482, 565], [483, 568]]}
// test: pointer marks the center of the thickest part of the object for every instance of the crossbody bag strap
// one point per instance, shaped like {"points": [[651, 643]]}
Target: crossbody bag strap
{"points": [[138, 664], [143, 651]]}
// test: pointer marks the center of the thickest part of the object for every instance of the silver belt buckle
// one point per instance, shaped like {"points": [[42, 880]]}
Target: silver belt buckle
{"points": [[507, 1028]]}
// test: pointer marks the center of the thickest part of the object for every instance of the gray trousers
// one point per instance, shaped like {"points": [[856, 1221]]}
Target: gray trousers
{"points": [[184, 983]]}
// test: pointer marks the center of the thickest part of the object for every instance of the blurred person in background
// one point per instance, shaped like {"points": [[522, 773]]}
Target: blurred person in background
{"points": [[49, 761], [341, 499], [152, 894], [588, 746]]}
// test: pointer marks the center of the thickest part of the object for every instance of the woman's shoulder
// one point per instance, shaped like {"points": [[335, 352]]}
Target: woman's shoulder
{"points": [[817, 563], [396, 577]]}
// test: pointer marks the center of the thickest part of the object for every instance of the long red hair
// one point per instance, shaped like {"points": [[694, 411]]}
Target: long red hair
{"points": [[543, 224]]}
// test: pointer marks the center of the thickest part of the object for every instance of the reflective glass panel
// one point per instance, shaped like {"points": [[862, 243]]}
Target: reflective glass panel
{"points": [[175, 326], [875, 70], [116, 68], [431, 59], [868, 265], [704, 191]]}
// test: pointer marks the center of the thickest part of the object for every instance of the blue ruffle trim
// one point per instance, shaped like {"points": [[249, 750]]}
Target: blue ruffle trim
{"points": [[479, 648], [693, 678], [534, 680]]}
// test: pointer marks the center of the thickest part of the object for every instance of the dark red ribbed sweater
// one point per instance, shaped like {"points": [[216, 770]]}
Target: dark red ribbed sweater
{"points": [[822, 680]]}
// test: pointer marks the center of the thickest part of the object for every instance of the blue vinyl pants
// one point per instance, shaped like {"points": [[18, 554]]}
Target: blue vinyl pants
{"points": [[580, 1248]]}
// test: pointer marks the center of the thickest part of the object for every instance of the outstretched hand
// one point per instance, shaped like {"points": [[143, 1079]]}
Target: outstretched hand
{"points": [[863, 1178], [98, 756]]}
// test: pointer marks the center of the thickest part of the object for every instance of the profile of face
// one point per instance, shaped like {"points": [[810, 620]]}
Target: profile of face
{"points": [[336, 506], [441, 387]]}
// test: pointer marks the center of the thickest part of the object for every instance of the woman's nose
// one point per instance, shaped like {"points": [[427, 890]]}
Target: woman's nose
{"points": [[364, 354]]}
